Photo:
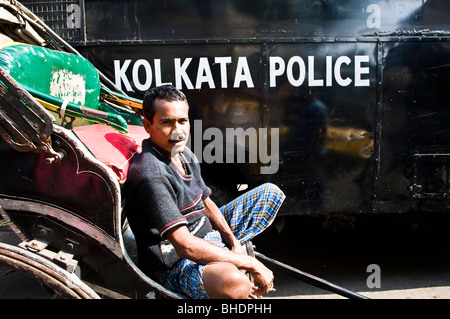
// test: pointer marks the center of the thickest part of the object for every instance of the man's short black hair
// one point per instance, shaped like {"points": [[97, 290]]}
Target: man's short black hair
{"points": [[167, 92]]}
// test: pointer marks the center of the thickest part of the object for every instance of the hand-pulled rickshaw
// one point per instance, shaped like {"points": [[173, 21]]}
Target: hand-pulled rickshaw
{"points": [[66, 142]]}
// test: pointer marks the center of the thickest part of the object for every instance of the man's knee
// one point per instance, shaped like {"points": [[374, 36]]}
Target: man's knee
{"points": [[273, 189], [225, 281]]}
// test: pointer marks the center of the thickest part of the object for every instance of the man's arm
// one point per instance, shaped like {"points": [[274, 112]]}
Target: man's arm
{"points": [[220, 224], [203, 252]]}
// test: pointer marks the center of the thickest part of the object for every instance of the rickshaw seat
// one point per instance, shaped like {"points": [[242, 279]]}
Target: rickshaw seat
{"points": [[112, 148]]}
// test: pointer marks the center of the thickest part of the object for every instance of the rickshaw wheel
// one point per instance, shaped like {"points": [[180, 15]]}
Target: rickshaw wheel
{"points": [[62, 283]]}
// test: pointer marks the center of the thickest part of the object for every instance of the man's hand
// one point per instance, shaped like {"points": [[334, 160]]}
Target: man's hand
{"points": [[262, 276], [237, 247], [263, 279]]}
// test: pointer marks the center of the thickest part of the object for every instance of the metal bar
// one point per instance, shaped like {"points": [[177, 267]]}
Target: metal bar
{"points": [[311, 279]]}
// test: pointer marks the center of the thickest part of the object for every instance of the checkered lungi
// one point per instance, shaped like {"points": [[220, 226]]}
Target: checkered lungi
{"points": [[248, 215]]}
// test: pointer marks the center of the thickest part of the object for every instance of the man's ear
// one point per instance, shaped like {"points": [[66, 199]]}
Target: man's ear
{"points": [[147, 125]]}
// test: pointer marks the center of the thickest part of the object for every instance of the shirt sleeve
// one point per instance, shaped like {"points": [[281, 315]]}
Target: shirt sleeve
{"points": [[159, 202], [195, 166], [206, 192]]}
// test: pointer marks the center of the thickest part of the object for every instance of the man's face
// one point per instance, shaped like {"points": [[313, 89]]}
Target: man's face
{"points": [[170, 128]]}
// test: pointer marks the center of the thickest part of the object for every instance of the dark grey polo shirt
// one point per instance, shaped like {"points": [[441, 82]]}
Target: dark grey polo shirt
{"points": [[160, 197]]}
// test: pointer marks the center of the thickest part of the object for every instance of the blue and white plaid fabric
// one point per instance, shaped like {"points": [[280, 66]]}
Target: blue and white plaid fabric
{"points": [[248, 215]]}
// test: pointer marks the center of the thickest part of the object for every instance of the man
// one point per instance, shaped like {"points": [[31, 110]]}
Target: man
{"points": [[184, 240]]}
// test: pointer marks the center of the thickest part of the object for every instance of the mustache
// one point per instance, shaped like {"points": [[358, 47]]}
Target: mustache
{"points": [[178, 137]]}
